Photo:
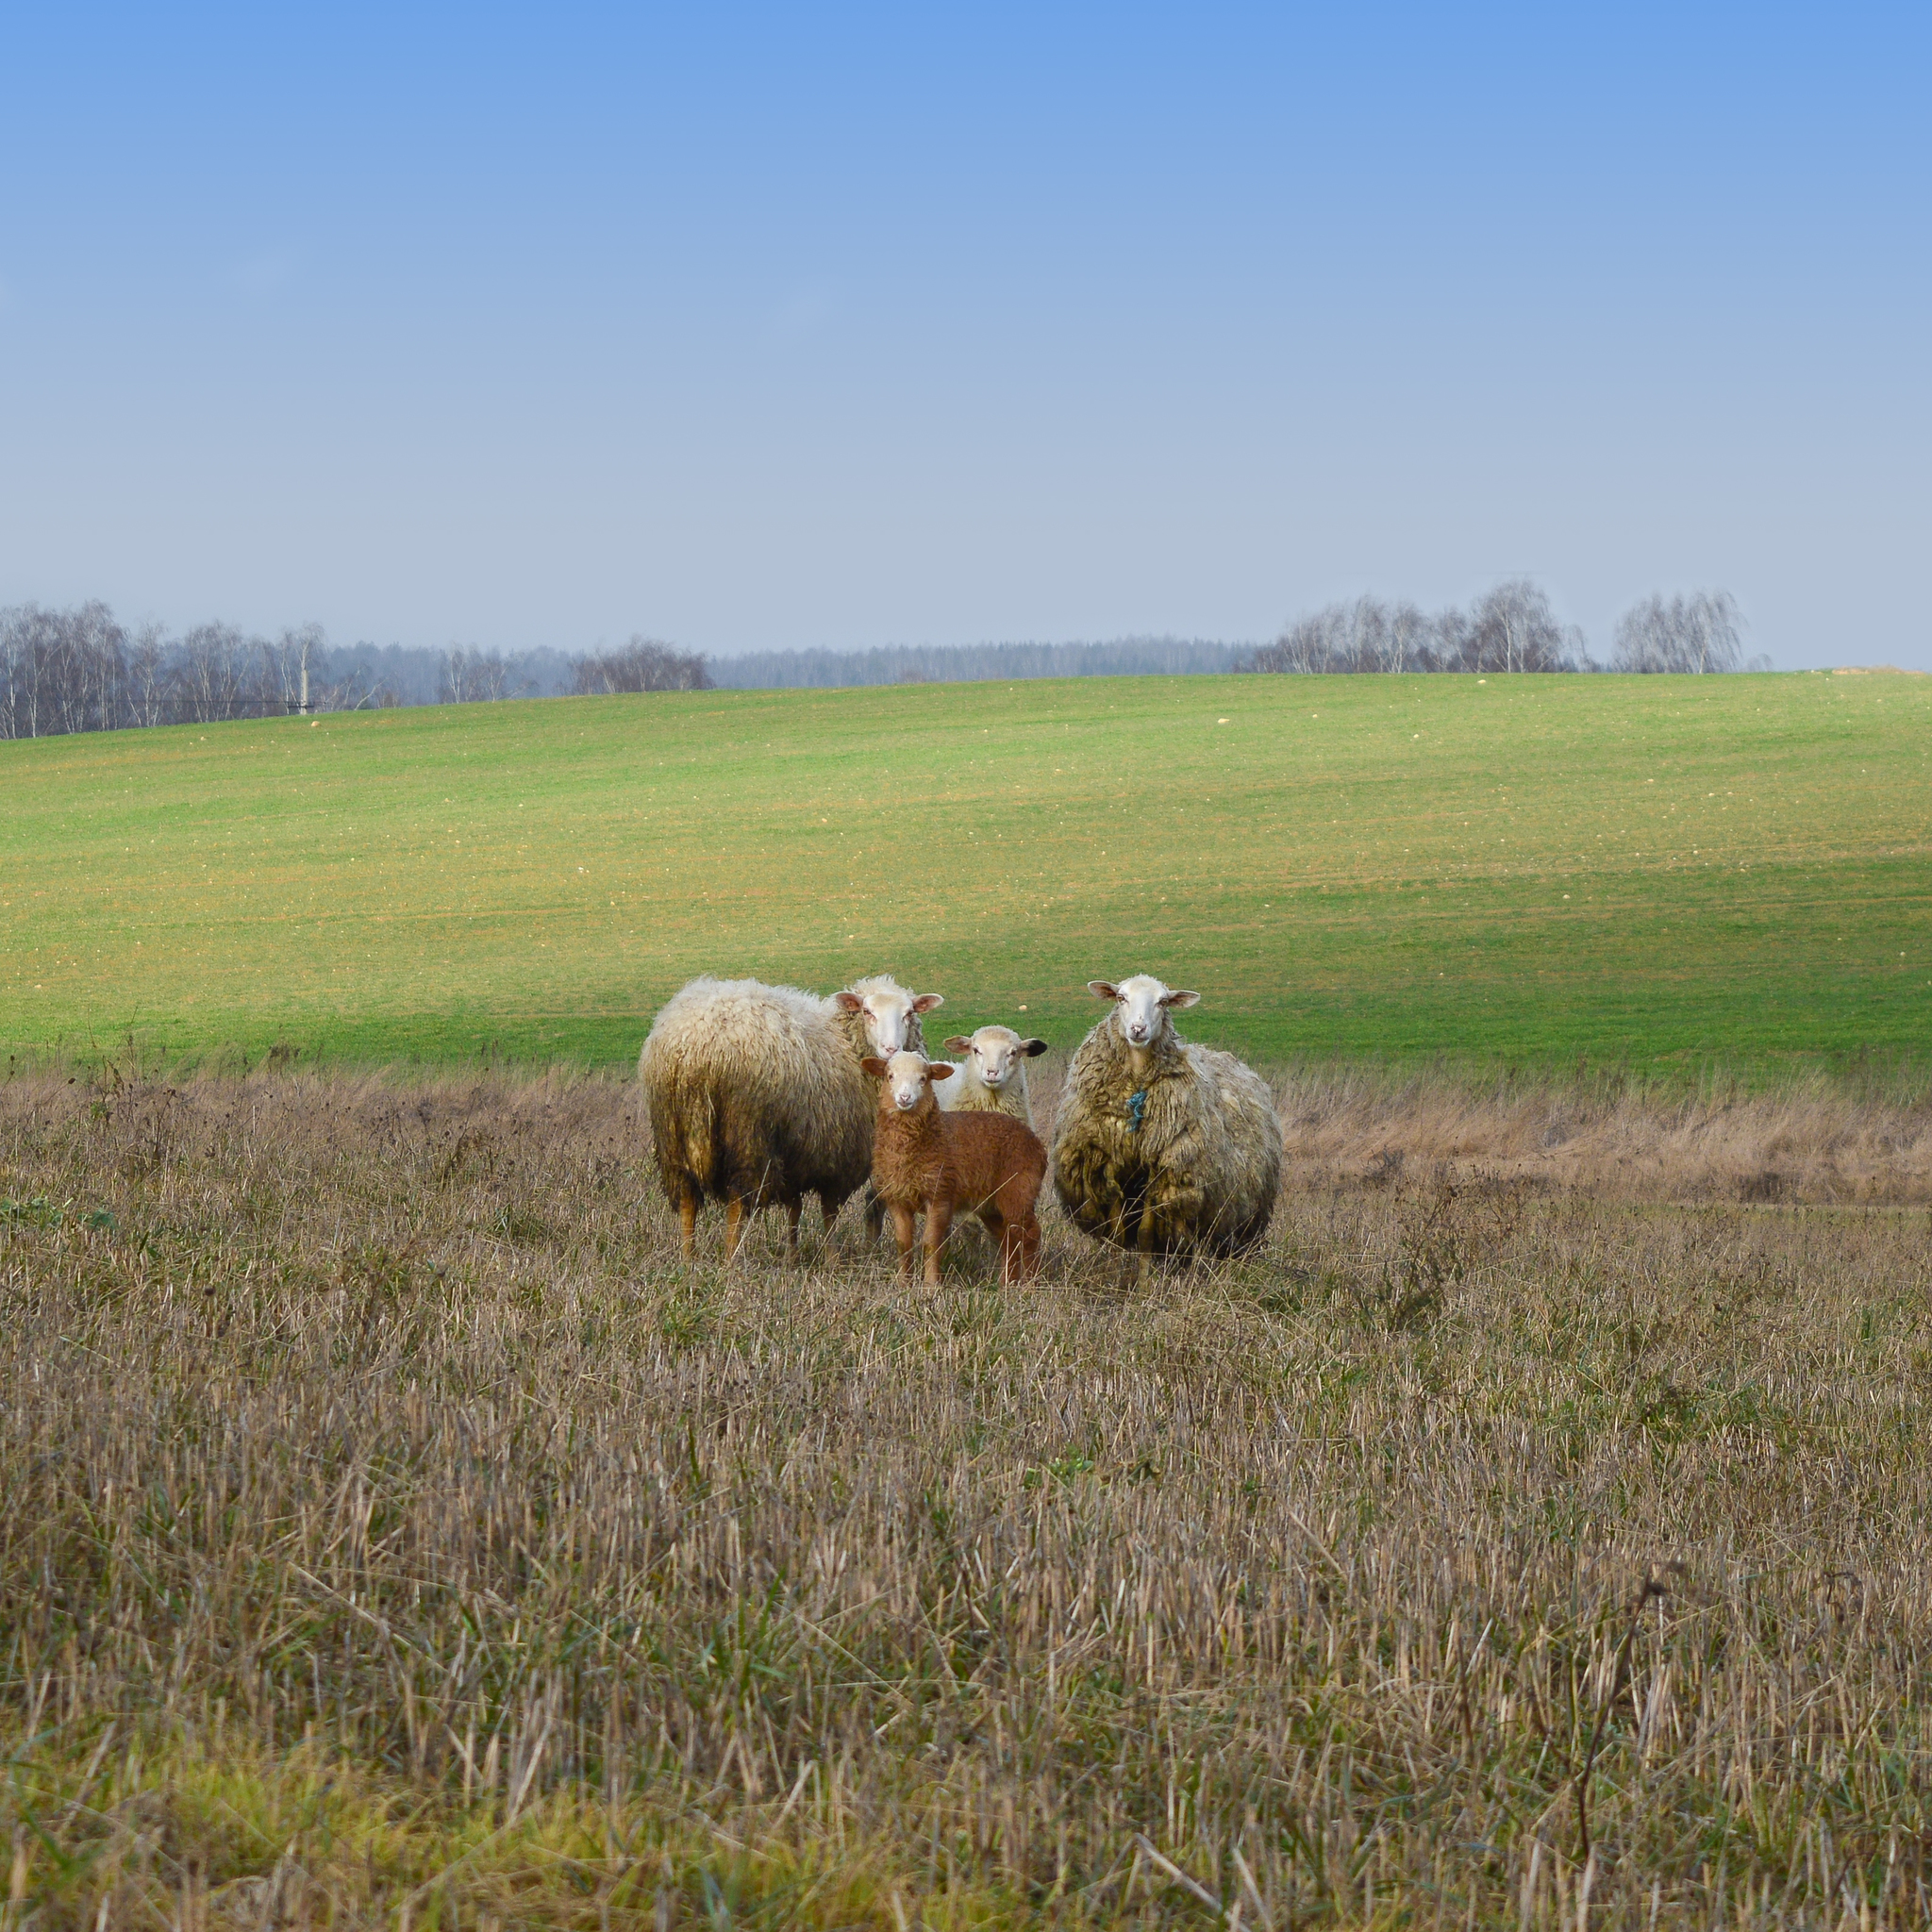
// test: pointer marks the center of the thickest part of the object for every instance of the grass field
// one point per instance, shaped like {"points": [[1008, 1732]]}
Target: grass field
{"points": [[397, 1534], [1652, 872]]}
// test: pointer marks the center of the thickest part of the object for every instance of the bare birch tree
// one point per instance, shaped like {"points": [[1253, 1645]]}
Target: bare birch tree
{"points": [[1513, 628], [1698, 633], [476, 677], [640, 665], [289, 665]]}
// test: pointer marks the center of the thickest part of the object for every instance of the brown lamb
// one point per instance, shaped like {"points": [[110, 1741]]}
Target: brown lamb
{"points": [[987, 1164]]}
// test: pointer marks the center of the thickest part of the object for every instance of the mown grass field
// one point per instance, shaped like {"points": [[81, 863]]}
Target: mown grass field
{"points": [[1657, 872], [396, 1533]]}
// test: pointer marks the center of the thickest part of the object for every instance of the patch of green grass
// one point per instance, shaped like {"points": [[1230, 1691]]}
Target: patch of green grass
{"points": [[209, 1824], [1651, 874]]}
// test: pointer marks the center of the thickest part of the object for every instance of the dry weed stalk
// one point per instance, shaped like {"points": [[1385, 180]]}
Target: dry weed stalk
{"points": [[396, 1532]]}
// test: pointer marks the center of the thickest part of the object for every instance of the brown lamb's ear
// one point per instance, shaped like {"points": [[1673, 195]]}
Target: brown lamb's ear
{"points": [[1179, 999], [1102, 990], [1033, 1048], [848, 1003], [942, 1070], [958, 1043], [875, 1066], [927, 1001]]}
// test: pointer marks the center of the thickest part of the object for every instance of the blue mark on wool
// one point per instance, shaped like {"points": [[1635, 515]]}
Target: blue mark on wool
{"points": [[1137, 1108]]}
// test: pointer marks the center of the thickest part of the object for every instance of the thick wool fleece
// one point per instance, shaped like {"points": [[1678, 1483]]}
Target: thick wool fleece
{"points": [[1193, 1144], [968, 1159], [975, 1096], [755, 1093]]}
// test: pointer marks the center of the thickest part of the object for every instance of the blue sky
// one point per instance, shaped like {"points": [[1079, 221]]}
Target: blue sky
{"points": [[752, 327]]}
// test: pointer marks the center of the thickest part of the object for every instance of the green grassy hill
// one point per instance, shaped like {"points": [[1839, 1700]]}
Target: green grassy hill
{"points": [[1650, 870]]}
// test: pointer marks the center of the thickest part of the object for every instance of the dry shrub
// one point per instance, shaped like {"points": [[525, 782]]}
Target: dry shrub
{"points": [[395, 1531]]}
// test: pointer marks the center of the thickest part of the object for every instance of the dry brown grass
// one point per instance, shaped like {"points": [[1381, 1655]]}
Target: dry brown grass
{"points": [[396, 1533], [1816, 1143]]}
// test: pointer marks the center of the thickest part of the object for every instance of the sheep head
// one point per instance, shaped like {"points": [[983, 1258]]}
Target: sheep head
{"points": [[908, 1078], [1140, 1006], [995, 1052], [888, 1011]]}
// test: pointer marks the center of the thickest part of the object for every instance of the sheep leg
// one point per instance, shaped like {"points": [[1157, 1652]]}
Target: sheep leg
{"points": [[688, 1217], [792, 1210], [994, 1224], [939, 1222], [734, 1227], [903, 1228], [1029, 1247], [1138, 1270]]}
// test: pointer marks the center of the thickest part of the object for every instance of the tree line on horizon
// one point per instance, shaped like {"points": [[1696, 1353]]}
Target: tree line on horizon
{"points": [[1511, 628], [80, 670], [821, 669]]}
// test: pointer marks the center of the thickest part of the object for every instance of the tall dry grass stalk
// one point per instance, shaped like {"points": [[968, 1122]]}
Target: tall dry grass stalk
{"points": [[396, 1533]]}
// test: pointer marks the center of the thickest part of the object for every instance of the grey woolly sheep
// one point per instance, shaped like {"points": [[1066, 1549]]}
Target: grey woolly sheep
{"points": [[1163, 1148], [992, 1076], [756, 1094]]}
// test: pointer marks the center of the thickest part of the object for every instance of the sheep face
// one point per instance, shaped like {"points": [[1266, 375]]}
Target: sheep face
{"points": [[908, 1078], [888, 1011], [1141, 1006], [995, 1052]]}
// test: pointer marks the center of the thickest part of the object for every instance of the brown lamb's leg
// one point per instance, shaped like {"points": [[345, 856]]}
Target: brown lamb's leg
{"points": [[903, 1229], [1029, 1247], [734, 1226], [994, 1224], [688, 1216], [792, 1210], [938, 1221]]}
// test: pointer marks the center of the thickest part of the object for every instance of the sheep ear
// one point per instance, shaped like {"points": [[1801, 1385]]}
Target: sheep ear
{"points": [[848, 1003], [942, 1070], [927, 1001], [1033, 1048], [1179, 999], [1102, 990], [875, 1066], [960, 1043]]}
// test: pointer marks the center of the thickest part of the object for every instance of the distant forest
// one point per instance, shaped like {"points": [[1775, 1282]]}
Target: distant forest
{"points": [[972, 663], [80, 670]]}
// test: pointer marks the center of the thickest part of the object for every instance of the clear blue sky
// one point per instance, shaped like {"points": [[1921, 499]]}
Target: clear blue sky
{"points": [[751, 326]]}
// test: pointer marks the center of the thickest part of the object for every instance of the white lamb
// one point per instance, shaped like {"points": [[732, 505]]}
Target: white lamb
{"points": [[992, 1076]]}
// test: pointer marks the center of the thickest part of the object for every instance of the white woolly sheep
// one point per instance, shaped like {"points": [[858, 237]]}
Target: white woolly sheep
{"points": [[992, 1076], [756, 1094], [1163, 1148]]}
